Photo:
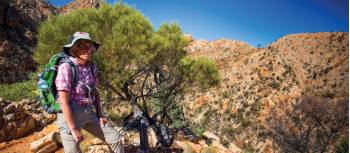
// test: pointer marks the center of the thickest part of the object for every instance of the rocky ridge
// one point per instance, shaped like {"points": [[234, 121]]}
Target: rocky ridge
{"points": [[254, 79], [80, 4]]}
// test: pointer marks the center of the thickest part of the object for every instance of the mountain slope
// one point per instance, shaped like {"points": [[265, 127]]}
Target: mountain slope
{"points": [[254, 79]]}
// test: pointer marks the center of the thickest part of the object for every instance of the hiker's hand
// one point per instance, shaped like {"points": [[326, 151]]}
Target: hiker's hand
{"points": [[103, 121], [77, 135], [86, 101]]}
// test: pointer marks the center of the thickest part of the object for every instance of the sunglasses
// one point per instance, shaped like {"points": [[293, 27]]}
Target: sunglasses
{"points": [[84, 46]]}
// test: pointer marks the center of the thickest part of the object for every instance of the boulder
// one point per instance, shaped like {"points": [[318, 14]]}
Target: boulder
{"points": [[16, 120], [10, 117], [2, 135], [188, 147], [3, 104], [188, 37], [48, 143], [25, 127], [9, 109], [152, 138], [211, 136], [233, 148], [220, 147], [98, 149]]}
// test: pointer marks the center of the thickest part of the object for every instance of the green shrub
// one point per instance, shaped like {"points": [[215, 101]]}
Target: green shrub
{"points": [[328, 94], [275, 85], [245, 123], [225, 94], [247, 149], [229, 132], [342, 145], [20, 90], [199, 131], [115, 117]]}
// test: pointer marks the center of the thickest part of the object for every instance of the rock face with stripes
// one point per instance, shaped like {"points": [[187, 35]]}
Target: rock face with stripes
{"points": [[19, 21]]}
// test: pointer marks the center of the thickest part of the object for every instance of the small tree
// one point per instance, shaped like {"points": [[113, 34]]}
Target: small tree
{"points": [[138, 64], [342, 146], [309, 126]]}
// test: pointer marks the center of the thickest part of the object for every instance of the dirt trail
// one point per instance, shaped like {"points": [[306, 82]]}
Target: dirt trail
{"points": [[22, 145]]}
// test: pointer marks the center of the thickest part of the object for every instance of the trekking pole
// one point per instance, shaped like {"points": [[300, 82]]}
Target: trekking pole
{"points": [[142, 127], [144, 146]]}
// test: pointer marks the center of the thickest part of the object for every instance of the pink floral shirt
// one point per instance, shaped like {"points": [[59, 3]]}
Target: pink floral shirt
{"points": [[87, 74]]}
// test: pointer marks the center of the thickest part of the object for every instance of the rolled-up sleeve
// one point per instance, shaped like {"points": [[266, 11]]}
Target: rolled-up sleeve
{"points": [[63, 79]]}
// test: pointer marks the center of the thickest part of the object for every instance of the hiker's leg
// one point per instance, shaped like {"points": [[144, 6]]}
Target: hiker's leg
{"points": [[68, 142], [105, 133]]}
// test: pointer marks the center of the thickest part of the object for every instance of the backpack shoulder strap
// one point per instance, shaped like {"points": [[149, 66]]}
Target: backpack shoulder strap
{"points": [[73, 67]]}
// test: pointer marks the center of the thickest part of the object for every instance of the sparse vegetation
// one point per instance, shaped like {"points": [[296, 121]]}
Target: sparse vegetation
{"points": [[20, 90], [328, 94], [342, 146], [229, 132], [311, 125], [225, 94], [247, 149], [274, 85], [246, 123], [199, 130]]}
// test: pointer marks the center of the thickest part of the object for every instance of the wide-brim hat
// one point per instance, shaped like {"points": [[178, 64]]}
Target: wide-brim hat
{"points": [[79, 36]]}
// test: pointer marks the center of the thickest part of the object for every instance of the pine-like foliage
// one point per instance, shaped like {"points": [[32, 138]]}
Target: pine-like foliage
{"points": [[135, 61]]}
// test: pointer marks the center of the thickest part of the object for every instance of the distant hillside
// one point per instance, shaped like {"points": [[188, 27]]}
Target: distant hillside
{"points": [[254, 79]]}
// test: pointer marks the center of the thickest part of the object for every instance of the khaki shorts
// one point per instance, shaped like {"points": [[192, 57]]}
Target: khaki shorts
{"points": [[85, 118]]}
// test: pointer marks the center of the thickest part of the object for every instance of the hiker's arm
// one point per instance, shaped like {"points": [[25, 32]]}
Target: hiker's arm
{"points": [[63, 99], [103, 120], [97, 104], [97, 101]]}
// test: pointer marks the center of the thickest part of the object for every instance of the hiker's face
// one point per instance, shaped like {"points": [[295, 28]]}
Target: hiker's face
{"points": [[84, 49]]}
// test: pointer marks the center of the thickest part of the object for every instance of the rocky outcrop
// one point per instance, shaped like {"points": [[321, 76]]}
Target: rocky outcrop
{"points": [[48, 143], [19, 21], [80, 4], [19, 118], [208, 143]]}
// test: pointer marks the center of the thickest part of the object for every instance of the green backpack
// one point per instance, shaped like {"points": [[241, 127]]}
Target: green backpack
{"points": [[46, 84]]}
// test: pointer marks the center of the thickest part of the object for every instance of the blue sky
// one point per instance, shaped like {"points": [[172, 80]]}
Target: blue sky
{"points": [[251, 21]]}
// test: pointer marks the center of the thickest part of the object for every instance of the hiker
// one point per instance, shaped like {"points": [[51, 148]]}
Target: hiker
{"points": [[78, 103]]}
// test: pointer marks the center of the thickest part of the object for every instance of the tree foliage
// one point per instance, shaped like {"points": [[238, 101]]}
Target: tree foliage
{"points": [[136, 62]]}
